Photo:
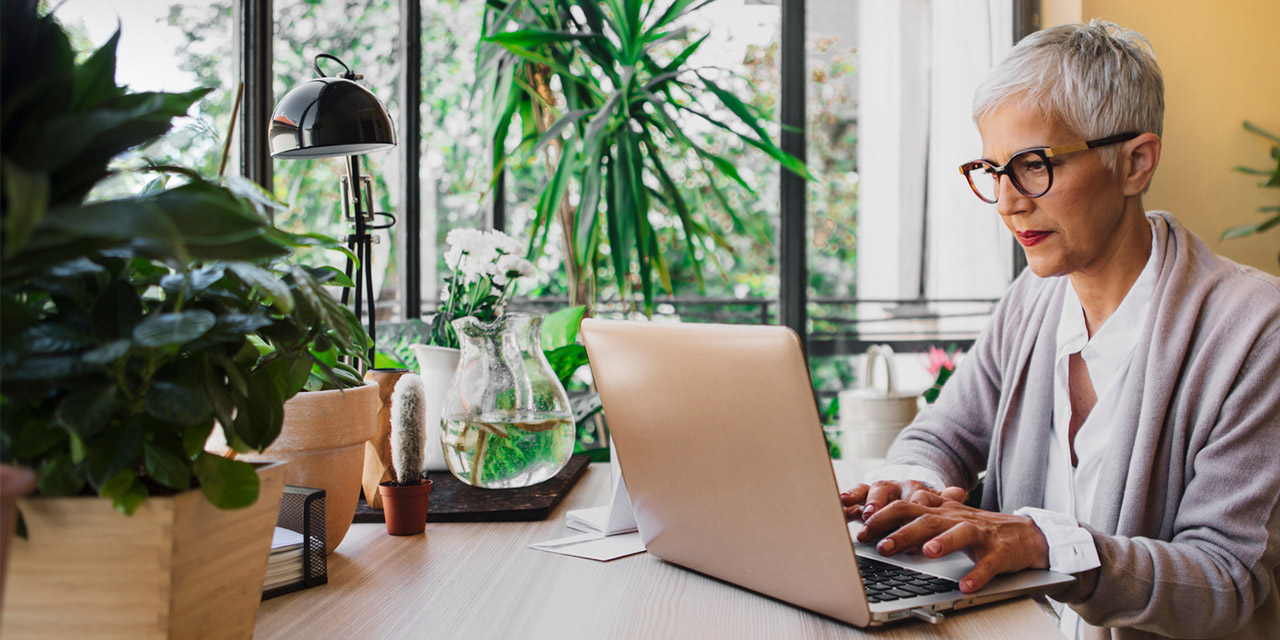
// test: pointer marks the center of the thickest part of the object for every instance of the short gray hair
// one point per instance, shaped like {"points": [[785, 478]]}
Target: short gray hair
{"points": [[1096, 79]]}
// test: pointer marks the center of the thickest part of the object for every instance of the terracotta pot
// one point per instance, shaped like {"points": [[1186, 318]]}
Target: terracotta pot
{"points": [[377, 451], [179, 567], [405, 508], [323, 440]]}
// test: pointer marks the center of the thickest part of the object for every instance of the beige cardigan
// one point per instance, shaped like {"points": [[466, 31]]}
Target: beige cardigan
{"points": [[1186, 517]]}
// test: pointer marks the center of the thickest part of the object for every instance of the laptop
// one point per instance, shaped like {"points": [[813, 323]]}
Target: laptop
{"points": [[721, 447]]}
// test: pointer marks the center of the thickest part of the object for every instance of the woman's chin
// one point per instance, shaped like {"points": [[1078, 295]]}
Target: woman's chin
{"points": [[1045, 268]]}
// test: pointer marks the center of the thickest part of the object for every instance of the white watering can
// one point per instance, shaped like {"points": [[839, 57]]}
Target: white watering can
{"points": [[871, 418]]}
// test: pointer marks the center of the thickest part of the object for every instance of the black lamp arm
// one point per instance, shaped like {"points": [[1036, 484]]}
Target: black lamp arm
{"points": [[349, 75]]}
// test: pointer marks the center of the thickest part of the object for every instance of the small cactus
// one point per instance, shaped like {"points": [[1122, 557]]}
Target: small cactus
{"points": [[408, 423]]}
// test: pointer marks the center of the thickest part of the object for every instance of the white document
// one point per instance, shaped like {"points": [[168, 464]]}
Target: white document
{"points": [[594, 546], [285, 540], [611, 519]]}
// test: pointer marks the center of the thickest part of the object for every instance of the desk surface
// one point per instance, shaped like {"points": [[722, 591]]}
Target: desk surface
{"points": [[480, 580]]}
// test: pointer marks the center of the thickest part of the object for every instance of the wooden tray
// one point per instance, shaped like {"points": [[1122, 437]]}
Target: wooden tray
{"points": [[454, 501]]}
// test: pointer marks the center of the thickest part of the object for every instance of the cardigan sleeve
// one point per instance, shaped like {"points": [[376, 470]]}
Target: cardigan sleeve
{"points": [[1220, 564]]}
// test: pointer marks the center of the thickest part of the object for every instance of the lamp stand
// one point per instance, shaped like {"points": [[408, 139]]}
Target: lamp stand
{"points": [[357, 207]]}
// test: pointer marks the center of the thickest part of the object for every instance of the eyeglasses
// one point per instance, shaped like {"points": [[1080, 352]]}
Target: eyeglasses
{"points": [[1029, 170]]}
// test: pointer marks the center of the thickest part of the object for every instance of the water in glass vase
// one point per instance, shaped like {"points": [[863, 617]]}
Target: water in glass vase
{"points": [[503, 450]]}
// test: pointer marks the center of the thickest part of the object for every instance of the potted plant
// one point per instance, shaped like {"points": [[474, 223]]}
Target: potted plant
{"points": [[607, 92], [484, 266], [323, 428], [405, 499], [1271, 179], [128, 331]]}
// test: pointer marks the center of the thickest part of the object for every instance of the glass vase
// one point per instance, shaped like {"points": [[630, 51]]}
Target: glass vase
{"points": [[507, 421]]}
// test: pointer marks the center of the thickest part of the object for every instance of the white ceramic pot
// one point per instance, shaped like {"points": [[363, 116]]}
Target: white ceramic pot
{"points": [[871, 418], [436, 366]]}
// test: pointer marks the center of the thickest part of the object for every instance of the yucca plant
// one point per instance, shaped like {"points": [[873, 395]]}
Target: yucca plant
{"points": [[604, 89]]}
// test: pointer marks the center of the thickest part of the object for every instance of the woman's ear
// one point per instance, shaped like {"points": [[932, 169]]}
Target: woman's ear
{"points": [[1138, 161]]}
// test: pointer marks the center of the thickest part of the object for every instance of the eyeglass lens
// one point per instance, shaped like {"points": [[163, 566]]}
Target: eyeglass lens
{"points": [[1029, 170]]}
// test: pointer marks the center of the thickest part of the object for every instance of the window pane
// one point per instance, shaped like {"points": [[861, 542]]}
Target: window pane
{"points": [[740, 276], [164, 47], [455, 163], [365, 37], [901, 251]]}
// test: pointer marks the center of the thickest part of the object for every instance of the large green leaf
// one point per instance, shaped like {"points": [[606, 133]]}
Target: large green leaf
{"points": [[113, 450], [173, 329], [174, 403], [560, 328], [530, 38], [167, 467], [27, 195], [227, 484], [95, 80], [87, 411]]}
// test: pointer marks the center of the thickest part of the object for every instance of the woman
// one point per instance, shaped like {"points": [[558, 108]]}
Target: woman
{"points": [[1123, 400]]}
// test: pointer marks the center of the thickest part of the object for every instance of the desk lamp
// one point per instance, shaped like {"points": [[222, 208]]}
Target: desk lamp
{"points": [[328, 117]]}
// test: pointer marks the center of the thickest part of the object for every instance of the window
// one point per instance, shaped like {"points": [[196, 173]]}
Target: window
{"points": [[197, 35], [894, 248]]}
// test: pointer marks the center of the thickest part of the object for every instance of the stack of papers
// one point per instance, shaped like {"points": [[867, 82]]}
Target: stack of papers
{"points": [[285, 565], [609, 531]]}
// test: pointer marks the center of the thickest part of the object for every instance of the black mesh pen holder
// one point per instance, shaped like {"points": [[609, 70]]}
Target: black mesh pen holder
{"points": [[302, 511]]}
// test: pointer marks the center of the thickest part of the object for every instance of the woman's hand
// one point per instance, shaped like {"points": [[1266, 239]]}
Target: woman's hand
{"points": [[864, 500], [997, 542]]}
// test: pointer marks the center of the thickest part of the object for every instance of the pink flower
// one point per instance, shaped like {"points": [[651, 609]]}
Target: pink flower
{"points": [[939, 360]]}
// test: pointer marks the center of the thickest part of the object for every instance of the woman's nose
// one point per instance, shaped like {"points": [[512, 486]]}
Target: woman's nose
{"points": [[1010, 201]]}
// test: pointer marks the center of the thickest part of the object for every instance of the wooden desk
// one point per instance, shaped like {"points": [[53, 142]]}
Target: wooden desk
{"points": [[477, 581]]}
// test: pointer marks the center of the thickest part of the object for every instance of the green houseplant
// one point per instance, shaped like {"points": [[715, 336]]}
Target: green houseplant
{"points": [[1271, 180], [606, 91], [128, 328]]}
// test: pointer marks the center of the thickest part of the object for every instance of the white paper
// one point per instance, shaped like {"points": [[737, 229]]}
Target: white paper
{"points": [[614, 518], [283, 539], [594, 546]]}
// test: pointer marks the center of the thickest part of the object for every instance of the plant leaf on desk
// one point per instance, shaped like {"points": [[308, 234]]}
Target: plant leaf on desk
{"points": [[228, 484]]}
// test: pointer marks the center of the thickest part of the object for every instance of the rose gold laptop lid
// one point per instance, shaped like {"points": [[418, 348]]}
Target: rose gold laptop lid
{"points": [[707, 406]]}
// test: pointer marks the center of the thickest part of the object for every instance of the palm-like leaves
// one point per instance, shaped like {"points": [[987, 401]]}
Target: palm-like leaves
{"points": [[621, 118]]}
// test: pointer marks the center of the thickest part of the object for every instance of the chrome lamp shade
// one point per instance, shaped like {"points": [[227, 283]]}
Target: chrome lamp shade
{"points": [[328, 118]]}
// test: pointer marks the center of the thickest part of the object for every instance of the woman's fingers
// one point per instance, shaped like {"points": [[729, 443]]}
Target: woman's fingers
{"points": [[955, 493], [888, 519], [959, 537], [984, 569], [879, 495], [855, 496], [919, 531]]}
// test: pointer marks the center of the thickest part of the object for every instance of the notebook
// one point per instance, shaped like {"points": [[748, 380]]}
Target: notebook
{"points": [[722, 451]]}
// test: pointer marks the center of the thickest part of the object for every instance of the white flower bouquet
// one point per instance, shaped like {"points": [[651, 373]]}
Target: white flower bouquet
{"points": [[485, 267]]}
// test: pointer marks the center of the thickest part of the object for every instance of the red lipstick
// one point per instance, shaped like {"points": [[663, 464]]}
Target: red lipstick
{"points": [[1032, 238]]}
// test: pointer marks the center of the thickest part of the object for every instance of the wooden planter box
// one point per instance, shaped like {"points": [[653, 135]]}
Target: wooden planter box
{"points": [[177, 568]]}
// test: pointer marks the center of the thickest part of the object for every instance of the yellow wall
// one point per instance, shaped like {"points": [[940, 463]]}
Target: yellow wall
{"points": [[1220, 68]]}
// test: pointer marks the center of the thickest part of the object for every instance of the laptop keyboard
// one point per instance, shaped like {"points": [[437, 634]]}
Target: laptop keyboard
{"points": [[885, 582]]}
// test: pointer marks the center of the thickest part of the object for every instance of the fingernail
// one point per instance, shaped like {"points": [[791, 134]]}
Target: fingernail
{"points": [[931, 548], [862, 536], [868, 510], [886, 546], [966, 585]]}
